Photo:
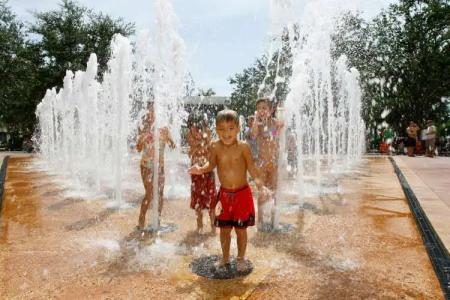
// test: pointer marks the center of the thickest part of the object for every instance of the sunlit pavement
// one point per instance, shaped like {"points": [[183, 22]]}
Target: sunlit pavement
{"points": [[360, 242], [429, 179]]}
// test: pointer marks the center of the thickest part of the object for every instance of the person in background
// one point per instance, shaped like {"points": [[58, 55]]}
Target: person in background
{"points": [[146, 145], [251, 141], [411, 131], [203, 187], [430, 143]]}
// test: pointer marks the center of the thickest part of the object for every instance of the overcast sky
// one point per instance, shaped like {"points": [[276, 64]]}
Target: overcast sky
{"points": [[222, 36]]}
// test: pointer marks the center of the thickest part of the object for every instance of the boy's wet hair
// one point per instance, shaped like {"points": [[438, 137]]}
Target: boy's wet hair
{"points": [[227, 115], [265, 100], [197, 119]]}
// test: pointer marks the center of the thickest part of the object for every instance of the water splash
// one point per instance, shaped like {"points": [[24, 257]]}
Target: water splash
{"points": [[87, 130], [324, 95]]}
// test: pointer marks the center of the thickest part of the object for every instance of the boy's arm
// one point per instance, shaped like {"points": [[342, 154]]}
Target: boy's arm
{"points": [[140, 141], [251, 166], [190, 141], [209, 166]]}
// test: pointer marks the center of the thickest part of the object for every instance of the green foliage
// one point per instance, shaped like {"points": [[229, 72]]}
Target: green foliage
{"points": [[206, 93], [69, 35], [403, 57], [18, 76], [61, 39], [272, 75]]}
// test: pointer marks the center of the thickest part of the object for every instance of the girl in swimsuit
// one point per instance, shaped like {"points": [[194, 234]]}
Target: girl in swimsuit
{"points": [[146, 145]]}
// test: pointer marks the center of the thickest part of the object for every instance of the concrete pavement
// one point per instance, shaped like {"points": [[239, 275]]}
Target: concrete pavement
{"points": [[429, 179]]}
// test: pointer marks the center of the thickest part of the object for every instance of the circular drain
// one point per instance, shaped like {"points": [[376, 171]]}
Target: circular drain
{"points": [[282, 228], [205, 266]]}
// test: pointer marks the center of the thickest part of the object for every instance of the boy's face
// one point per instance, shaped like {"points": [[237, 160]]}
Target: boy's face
{"points": [[227, 132], [250, 122], [196, 131], [263, 110]]}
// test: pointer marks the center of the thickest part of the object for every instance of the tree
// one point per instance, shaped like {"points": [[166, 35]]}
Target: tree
{"points": [[402, 55], [206, 93], [274, 73], [18, 72], [69, 35], [62, 39]]}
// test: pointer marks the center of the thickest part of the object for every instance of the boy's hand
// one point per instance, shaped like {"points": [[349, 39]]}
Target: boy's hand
{"points": [[195, 170], [267, 194], [258, 183]]}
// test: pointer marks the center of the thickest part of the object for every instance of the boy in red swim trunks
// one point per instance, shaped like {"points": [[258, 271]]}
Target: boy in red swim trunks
{"points": [[233, 158], [203, 187]]}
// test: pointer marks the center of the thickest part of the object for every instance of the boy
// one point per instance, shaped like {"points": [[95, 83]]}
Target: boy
{"points": [[203, 187], [233, 158], [266, 131]]}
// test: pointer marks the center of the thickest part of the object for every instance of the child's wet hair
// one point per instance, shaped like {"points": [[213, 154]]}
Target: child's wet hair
{"points": [[197, 119], [227, 115], [264, 100]]}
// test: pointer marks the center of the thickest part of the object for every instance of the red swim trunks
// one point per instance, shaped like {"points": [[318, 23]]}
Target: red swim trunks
{"points": [[237, 208], [203, 190]]}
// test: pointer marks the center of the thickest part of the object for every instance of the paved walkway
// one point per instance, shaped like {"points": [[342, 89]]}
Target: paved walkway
{"points": [[430, 180], [13, 154], [357, 240]]}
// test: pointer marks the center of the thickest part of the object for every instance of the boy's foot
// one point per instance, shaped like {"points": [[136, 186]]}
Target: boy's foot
{"points": [[241, 265], [221, 264]]}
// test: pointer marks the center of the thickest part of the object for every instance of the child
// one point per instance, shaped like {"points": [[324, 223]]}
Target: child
{"points": [[430, 142], [203, 187], [266, 131], [411, 131], [233, 158], [251, 141], [146, 145]]}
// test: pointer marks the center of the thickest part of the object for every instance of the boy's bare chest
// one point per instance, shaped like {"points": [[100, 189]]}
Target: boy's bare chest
{"points": [[230, 157]]}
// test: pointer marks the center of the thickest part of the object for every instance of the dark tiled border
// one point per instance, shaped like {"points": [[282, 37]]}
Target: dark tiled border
{"points": [[437, 252], [2, 180]]}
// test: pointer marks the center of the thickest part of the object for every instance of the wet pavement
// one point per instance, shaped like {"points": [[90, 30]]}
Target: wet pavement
{"points": [[429, 179], [357, 243]]}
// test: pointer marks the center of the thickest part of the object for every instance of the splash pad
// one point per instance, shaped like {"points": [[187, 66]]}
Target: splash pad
{"points": [[67, 229]]}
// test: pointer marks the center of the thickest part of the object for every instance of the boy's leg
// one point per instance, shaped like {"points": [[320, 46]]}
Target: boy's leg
{"points": [[212, 218], [225, 239], [199, 213], [241, 234], [242, 246]]}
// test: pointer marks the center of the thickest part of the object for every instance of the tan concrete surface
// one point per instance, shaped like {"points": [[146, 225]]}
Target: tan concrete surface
{"points": [[429, 178], [13, 154], [359, 242]]}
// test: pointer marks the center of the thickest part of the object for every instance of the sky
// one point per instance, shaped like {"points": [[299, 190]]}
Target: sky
{"points": [[222, 36]]}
